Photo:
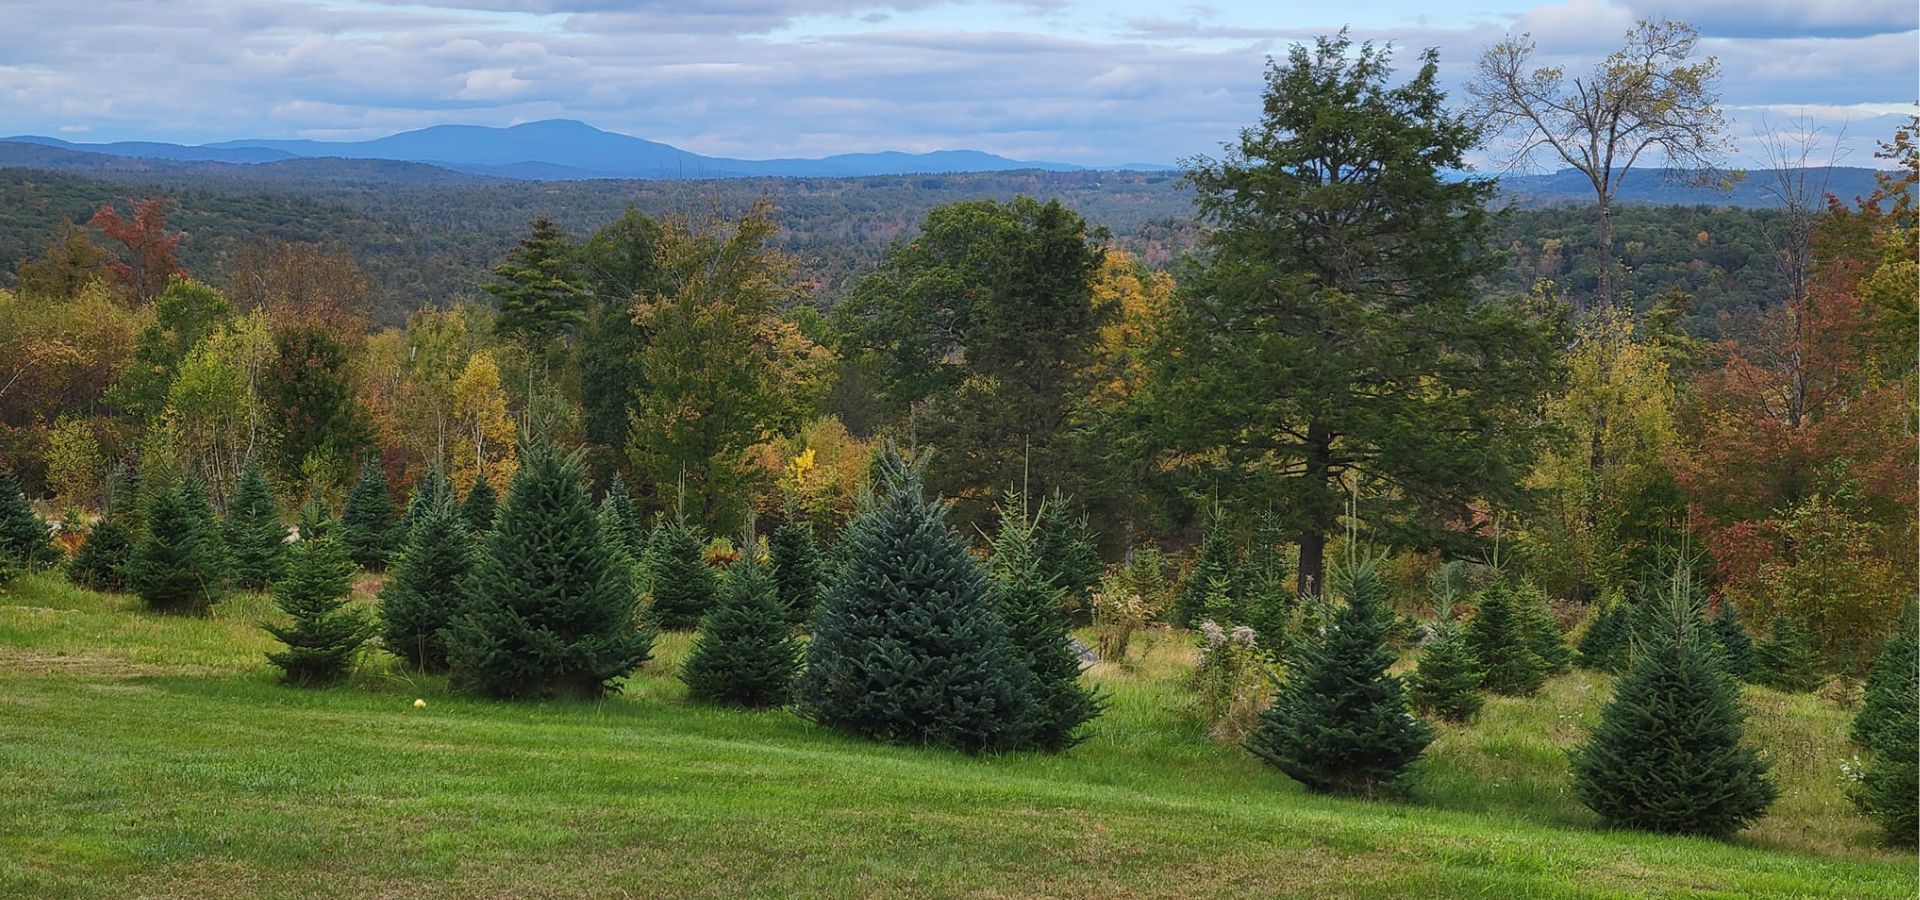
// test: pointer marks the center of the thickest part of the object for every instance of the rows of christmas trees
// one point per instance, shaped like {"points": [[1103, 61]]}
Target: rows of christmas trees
{"points": [[913, 639]]}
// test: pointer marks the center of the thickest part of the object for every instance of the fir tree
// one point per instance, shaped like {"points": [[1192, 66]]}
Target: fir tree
{"points": [[1667, 755], [24, 536], [478, 508], [1603, 648], [427, 584], [177, 567], [1543, 634], [1213, 571], [683, 586], [613, 529], [552, 609], [620, 499], [255, 536], [798, 576], [1269, 608], [1736, 647], [1340, 722], [1447, 682], [1069, 551], [1033, 607], [746, 654], [537, 288], [325, 633], [432, 489], [909, 645], [1888, 728], [369, 522], [102, 562], [193, 493], [1787, 659], [1499, 640], [316, 519]]}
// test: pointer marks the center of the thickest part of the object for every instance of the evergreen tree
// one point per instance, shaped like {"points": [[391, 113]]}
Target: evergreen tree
{"points": [[620, 500], [369, 523], [1604, 646], [1736, 647], [613, 529], [1543, 634], [478, 508], [1340, 722], [256, 538], [432, 490], [1787, 660], [746, 654], [102, 562], [1667, 755], [552, 609], [326, 633], [909, 645], [177, 566], [1447, 681], [1499, 640], [683, 585], [798, 571], [316, 519], [1034, 610], [427, 584], [193, 493], [24, 536], [1888, 728], [1213, 572], [538, 291], [1069, 551], [1269, 607]]}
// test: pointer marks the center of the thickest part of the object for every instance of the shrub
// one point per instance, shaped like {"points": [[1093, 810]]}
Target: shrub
{"points": [[1118, 612], [1232, 680], [325, 634], [1668, 754], [1340, 722], [909, 645], [551, 611], [745, 654]]}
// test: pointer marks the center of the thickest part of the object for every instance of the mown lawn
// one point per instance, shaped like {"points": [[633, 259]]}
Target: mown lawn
{"points": [[150, 756]]}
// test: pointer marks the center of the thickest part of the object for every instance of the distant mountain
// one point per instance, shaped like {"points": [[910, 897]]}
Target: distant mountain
{"points": [[1756, 189], [558, 150]]}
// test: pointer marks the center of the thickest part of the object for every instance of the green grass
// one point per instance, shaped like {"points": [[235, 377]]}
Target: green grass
{"points": [[149, 756]]}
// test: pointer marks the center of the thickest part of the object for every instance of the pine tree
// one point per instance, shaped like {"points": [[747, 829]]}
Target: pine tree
{"points": [[683, 586], [24, 536], [102, 562], [1667, 755], [1888, 728], [746, 654], [193, 493], [1787, 660], [1447, 682], [620, 499], [909, 646], [255, 536], [798, 576], [537, 288], [1736, 646], [1033, 607], [316, 519], [1069, 551], [1500, 641], [552, 610], [177, 566], [478, 508], [1269, 607], [1604, 646], [326, 633], [427, 584], [613, 529], [1340, 723], [1213, 571], [368, 527]]}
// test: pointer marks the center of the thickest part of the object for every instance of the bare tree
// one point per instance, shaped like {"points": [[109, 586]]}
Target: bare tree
{"points": [[1647, 96]]}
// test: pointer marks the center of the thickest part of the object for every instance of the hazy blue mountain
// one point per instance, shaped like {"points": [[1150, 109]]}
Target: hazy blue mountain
{"points": [[559, 150], [1754, 189]]}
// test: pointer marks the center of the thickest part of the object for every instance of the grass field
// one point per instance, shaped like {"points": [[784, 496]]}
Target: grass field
{"points": [[151, 756]]}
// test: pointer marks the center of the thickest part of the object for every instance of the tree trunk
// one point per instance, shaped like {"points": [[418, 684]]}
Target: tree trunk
{"points": [[1313, 538], [1606, 251]]}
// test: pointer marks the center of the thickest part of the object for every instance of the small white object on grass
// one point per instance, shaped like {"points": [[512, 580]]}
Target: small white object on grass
{"points": [[419, 704]]}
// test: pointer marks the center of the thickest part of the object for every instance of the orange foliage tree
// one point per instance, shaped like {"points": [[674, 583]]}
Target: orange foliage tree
{"points": [[146, 264]]}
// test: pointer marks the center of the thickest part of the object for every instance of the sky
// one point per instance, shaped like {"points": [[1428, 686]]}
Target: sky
{"points": [[1096, 83]]}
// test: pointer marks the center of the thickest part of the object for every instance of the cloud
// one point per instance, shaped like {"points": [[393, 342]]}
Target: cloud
{"points": [[1056, 80]]}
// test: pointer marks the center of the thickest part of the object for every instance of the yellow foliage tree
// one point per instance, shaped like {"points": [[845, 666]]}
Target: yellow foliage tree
{"points": [[484, 447]]}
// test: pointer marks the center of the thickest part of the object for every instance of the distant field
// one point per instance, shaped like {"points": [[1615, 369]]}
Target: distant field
{"points": [[146, 756]]}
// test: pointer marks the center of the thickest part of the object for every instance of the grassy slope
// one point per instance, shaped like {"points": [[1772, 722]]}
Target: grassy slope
{"points": [[148, 756]]}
